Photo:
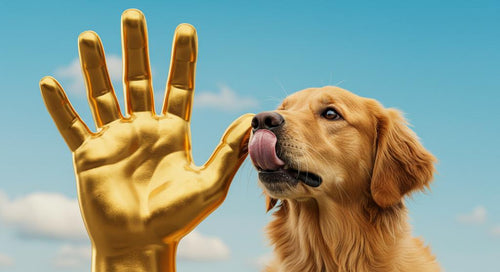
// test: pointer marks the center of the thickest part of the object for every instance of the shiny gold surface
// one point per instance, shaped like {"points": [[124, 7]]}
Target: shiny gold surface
{"points": [[138, 188]]}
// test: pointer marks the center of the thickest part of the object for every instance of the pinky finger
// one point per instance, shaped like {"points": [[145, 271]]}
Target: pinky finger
{"points": [[69, 124]]}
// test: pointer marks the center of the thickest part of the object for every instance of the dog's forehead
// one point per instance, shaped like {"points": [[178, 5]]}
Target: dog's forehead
{"points": [[324, 95]]}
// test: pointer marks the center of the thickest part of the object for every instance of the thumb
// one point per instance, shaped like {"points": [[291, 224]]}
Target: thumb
{"points": [[229, 154]]}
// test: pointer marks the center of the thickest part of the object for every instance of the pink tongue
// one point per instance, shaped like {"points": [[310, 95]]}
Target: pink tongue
{"points": [[262, 149]]}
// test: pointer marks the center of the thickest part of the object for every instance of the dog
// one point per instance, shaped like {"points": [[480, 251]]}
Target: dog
{"points": [[340, 165]]}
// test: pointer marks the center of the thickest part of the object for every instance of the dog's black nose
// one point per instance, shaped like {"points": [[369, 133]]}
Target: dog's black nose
{"points": [[267, 120]]}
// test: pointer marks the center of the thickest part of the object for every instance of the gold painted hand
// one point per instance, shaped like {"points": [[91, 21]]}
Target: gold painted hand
{"points": [[138, 188]]}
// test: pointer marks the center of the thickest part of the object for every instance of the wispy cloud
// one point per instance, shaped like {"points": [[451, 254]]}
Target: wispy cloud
{"points": [[226, 100], [476, 216], [72, 73], [6, 261], [71, 256], [194, 247], [262, 261], [43, 215], [3, 199], [55, 216], [197, 247], [495, 231]]}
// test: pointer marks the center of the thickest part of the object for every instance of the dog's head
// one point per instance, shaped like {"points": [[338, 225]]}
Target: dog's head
{"points": [[330, 142]]}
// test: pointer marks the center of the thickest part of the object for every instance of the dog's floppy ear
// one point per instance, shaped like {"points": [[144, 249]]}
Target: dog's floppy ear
{"points": [[402, 164], [270, 203]]}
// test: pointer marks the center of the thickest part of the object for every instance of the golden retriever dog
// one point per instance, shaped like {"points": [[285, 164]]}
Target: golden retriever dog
{"points": [[341, 166]]}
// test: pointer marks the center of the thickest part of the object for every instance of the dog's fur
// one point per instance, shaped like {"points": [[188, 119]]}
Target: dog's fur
{"points": [[356, 220]]}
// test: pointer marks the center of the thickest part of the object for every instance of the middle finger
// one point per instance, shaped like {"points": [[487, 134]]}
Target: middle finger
{"points": [[137, 72]]}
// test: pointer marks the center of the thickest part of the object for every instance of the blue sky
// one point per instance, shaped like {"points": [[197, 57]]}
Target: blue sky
{"points": [[439, 62]]}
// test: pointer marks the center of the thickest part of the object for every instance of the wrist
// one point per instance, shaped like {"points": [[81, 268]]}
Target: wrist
{"points": [[151, 258]]}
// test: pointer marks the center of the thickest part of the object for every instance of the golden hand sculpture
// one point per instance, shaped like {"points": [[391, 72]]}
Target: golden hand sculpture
{"points": [[138, 188]]}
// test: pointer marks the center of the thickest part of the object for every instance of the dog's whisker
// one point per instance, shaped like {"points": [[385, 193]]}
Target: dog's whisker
{"points": [[282, 87], [340, 82], [331, 78]]}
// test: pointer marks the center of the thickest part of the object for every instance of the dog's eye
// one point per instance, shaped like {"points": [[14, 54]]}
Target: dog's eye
{"points": [[331, 114]]}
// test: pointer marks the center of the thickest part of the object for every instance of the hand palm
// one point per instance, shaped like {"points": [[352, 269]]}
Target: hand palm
{"points": [[137, 184], [134, 162]]}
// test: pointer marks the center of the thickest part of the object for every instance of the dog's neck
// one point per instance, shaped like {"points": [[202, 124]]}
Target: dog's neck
{"points": [[326, 236]]}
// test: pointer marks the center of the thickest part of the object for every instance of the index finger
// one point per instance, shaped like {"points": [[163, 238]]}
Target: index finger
{"points": [[180, 85]]}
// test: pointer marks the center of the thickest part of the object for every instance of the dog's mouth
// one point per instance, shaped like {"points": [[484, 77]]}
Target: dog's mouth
{"points": [[272, 169]]}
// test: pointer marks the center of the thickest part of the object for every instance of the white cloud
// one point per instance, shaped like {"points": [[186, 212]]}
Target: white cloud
{"points": [[3, 198], [55, 216], [6, 261], [114, 64], [73, 73], [70, 256], [197, 247], [262, 261], [226, 99], [495, 231], [193, 247], [43, 215], [477, 216]]}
